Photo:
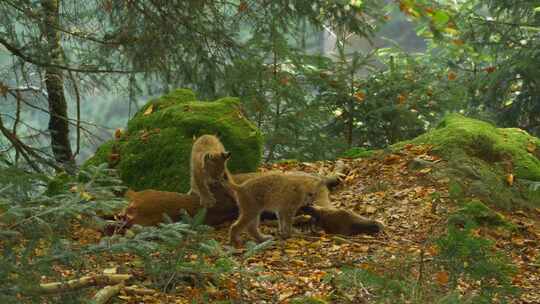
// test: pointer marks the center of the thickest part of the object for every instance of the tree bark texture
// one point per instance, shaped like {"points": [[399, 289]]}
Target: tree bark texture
{"points": [[54, 82]]}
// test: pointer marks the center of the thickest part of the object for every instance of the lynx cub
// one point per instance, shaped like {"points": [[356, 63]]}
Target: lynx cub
{"points": [[208, 165], [281, 193]]}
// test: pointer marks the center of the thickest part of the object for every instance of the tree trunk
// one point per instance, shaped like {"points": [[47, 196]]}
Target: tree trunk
{"points": [[54, 82]]}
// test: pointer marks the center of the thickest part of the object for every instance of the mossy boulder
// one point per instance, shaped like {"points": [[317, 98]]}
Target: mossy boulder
{"points": [[478, 213], [498, 165], [154, 151]]}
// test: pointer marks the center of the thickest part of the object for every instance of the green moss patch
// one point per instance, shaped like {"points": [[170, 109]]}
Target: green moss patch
{"points": [[357, 152], [477, 212], [155, 150], [481, 157]]}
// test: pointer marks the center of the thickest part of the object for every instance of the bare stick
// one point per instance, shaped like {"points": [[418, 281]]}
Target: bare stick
{"points": [[97, 280], [139, 291]]}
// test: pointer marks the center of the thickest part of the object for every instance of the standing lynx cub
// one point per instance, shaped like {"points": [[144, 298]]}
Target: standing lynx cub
{"points": [[281, 193], [208, 165]]}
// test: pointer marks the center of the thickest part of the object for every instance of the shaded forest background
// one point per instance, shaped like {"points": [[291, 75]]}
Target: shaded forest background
{"points": [[316, 77]]}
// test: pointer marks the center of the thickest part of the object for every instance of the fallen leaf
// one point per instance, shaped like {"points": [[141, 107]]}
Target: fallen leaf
{"points": [[360, 96], [490, 69], [3, 89], [452, 76], [371, 209], [531, 147], [86, 196], [433, 250], [149, 110], [114, 158], [118, 134], [442, 277], [425, 170], [518, 241], [284, 294], [401, 98], [510, 179], [392, 158], [144, 137], [242, 7]]}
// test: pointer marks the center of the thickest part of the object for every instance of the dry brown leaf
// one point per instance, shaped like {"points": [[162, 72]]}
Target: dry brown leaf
{"points": [[392, 158], [144, 137], [118, 134], [3, 89], [433, 250], [284, 294], [510, 179], [360, 96], [442, 277], [518, 241], [242, 7], [370, 210], [531, 147], [401, 98], [114, 158]]}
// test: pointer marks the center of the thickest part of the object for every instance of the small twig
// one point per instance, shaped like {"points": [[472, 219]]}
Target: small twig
{"points": [[421, 268], [19, 146], [364, 289], [102, 279], [139, 291], [16, 122], [342, 239]]}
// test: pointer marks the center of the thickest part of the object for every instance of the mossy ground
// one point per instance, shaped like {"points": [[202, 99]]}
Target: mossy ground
{"points": [[358, 152], [481, 157], [477, 212], [155, 150]]}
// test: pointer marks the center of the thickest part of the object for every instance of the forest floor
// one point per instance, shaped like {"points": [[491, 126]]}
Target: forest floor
{"points": [[413, 206]]}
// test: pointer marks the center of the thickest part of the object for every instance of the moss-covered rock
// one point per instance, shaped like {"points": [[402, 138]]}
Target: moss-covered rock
{"points": [[155, 149], [482, 158], [477, 212]]}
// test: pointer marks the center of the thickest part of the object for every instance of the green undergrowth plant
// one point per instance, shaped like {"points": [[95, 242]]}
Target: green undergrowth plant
{"points": [[175, 254], [458, 258], [37, 230], [39, 240], [476, 212]]}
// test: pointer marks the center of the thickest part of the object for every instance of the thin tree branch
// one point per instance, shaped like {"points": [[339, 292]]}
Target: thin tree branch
{"points": [[19, 53], [18, 145], [78, 123]]}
